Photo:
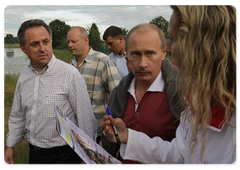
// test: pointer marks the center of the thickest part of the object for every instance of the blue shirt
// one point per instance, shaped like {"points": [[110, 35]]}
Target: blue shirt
{"points": [[121, 63]]}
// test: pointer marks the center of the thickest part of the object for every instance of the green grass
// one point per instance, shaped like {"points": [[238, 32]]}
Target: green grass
{"points": [[21, 151], [64, 55], [9, 82]]}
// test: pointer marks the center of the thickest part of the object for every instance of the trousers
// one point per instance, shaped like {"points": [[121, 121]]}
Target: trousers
{"points": [[57, 155]]}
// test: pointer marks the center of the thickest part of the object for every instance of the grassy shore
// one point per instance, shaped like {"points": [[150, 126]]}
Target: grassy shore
{"points": [[11, 46]]}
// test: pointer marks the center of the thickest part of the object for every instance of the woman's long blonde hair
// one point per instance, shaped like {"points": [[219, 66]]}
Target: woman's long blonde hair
{"points": [[207, 58]]}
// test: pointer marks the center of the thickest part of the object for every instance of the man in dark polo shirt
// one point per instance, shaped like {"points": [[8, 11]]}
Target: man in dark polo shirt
{"points": [[146, 99]]}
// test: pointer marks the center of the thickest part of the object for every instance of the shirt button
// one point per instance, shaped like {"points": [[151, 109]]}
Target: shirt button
{"points": [[137, 112]]}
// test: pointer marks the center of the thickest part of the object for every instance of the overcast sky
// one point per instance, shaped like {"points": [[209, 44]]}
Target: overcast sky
{"points": [[125, 16]]}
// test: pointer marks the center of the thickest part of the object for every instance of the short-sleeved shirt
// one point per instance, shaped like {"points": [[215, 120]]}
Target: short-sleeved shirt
{"points": [[101, 76]]}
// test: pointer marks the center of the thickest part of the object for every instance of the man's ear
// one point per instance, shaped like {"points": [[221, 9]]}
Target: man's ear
{"points": [[86, 41], [121, 38], [164, 53], [23, 49]]}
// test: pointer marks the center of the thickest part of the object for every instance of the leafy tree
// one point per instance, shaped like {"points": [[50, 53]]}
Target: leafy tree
{"points": [[94, 38], [9, 39], [125, 31], [59, 31], [162, 23]]}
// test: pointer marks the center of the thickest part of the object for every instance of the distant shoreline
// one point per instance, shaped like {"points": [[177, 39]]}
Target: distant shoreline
{"points": [[11, 46]]}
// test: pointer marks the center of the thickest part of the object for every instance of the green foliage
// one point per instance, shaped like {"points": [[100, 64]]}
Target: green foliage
{"points": [[162, 23], [94, 38], [169, 56], [9, 39], [59, 31], [64, 55], [125, 31]]}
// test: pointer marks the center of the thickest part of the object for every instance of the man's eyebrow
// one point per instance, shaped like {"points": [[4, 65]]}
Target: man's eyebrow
{"points": [[46, 39], [34, 42], [134, 51]]}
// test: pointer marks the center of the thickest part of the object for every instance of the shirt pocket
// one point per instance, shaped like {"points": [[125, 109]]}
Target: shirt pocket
{"points": [[51, 99]]}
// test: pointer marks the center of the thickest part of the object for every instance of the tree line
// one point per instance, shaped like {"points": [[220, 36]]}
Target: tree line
{"points": [[60, 30]]}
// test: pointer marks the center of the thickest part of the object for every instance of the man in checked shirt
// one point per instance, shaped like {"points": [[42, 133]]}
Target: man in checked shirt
{"points": [[99, 71], [45, 82]]}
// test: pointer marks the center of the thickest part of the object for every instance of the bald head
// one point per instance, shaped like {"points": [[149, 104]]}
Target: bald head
{"points": [[142, 28], [82, 31]]}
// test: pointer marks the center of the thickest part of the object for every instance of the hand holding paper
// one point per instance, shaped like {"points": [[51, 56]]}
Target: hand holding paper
{"points": [[108, 122]]}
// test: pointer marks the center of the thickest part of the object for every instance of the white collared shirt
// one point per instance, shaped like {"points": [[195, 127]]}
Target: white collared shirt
{"points": [[33, 106], [158, 85]]}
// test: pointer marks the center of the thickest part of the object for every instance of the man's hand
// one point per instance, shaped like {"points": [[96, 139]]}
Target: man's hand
{"points": [[8, 156], [108, 121]]}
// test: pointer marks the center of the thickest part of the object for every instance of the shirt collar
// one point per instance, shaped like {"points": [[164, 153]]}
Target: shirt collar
{"points": [[123, 55], [90, 53], [51, 63], [218, 118], [87, 60], [48, 66], [157, 85], [131, 88], [73, 61]]}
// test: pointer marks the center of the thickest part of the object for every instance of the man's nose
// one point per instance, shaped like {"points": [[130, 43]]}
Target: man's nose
{"points": [[69, 44], [143, 62], [42, 47]]}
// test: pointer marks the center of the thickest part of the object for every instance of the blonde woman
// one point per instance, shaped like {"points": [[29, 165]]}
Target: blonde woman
{"points": [[203, 43]]}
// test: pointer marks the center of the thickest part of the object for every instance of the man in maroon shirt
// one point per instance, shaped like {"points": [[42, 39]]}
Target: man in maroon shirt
{"points": [[146, 99]]}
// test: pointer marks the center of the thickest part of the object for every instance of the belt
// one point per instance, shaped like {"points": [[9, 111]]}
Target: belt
{"points": [[54, 150]]}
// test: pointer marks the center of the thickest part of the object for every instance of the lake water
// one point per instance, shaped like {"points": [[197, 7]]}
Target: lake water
{"points": [[14, 60]]}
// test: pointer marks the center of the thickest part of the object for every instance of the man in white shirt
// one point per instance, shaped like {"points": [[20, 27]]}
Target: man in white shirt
{"points": [[147, 99], [45, 82]]}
